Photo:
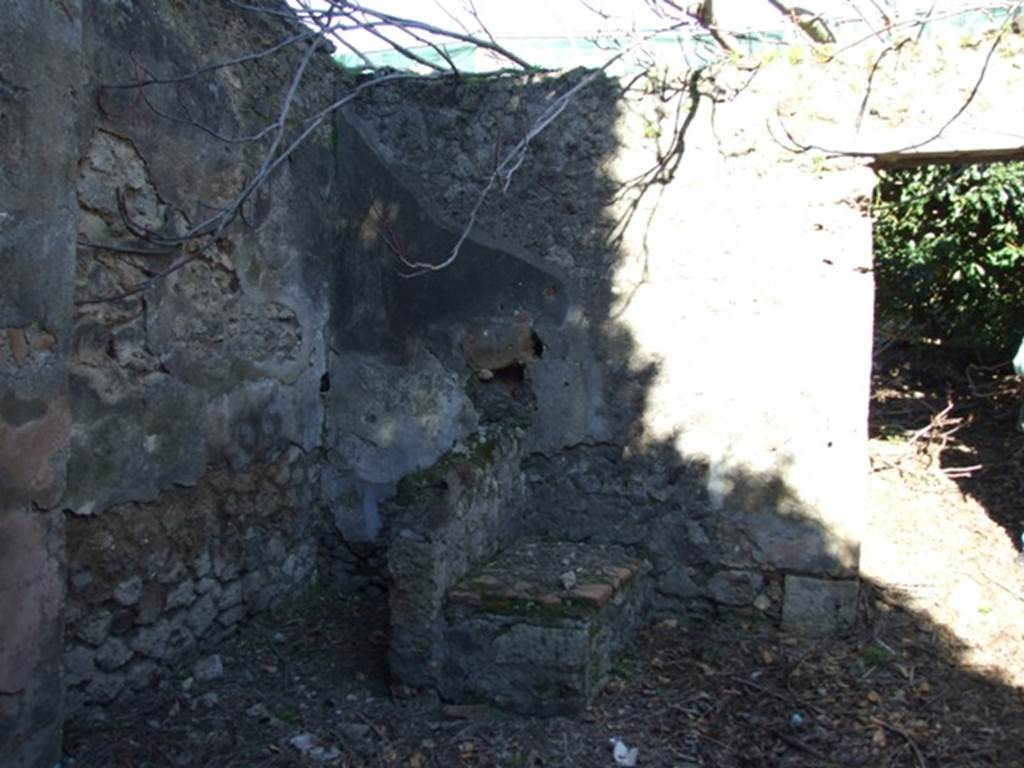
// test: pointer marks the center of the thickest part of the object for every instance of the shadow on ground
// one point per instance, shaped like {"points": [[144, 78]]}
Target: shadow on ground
{"points": [[890, 693], [310, 686], [962, 413]]}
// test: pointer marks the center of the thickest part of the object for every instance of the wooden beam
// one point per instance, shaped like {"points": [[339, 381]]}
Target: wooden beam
{"points": [[947, 157]]}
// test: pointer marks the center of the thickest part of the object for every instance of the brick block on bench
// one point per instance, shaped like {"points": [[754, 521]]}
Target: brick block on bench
{"points": [[523, 634]]}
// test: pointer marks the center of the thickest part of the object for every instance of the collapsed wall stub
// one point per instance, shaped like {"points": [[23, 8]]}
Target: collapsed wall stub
{"points": [[687, 366]]}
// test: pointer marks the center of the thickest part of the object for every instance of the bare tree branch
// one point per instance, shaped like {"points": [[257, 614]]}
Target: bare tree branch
{"points": [[332, 21], [703, 15], [336, 18], [216, 66], [412, 24], [798, 146], [812, 26]]}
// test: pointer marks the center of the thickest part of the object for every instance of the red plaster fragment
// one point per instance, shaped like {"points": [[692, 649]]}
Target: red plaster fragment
{"points": [[619, 574], [19, 349], [597, 595], [42, 340]]}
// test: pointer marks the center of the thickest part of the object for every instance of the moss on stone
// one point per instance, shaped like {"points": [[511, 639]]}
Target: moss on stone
{"points": [[479, 452], [533, 609]]}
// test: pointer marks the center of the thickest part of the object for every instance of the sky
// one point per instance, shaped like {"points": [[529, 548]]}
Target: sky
{"points": [[509, 19], [559, 17], [531, 18], [527, 17]]}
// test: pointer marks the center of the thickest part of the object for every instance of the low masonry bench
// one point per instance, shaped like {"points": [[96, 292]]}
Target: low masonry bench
{"points": [[536, 628], [482, 616]]}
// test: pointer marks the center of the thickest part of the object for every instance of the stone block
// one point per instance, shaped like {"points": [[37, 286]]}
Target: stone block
{"points": [[129, 591], [181, 596], [152, 641], [79, 664], [140, 674], [179, 642], [104, 688], [174, 571], [75, 701], [274, 551], [122, 622], [232, 593], [202, 565], [209, 669], [270, 596], [231, 616], [677, 582], [737, 588], [113, 654], [81, 580], [151, 606], [207, 585], [95, 628], [819, 606], [202, 615], [289, 565], [517, 637], [226, 567]]}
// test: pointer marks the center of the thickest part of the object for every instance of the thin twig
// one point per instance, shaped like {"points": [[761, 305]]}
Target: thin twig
{"points": [[796, 743], [126, 249], [185, 77], [871, 79], [799, 147], [406, 23], [922, 763], [1014, 593], [788, 699]]}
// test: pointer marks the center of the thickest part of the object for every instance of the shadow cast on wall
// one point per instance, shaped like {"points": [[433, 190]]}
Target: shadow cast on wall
{"points": [[728, 537], [535, 324]]}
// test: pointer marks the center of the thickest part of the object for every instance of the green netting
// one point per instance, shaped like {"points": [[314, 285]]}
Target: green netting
{"points": [[688, 49]]}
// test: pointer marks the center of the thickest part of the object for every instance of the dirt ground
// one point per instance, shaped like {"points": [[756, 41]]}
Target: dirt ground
{"points": [[932, 676]]}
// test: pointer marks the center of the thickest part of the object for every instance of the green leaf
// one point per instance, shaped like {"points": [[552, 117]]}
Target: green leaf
{"points": [[948, 256]]}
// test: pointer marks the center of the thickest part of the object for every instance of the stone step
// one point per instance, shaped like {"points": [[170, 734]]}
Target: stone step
{"points": [[535, 630]]}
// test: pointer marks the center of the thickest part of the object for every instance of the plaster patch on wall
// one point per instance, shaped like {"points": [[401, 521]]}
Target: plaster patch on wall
{"points": [[390, 419]]}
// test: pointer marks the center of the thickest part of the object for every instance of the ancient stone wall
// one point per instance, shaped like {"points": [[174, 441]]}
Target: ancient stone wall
{"points": [[674, 295], [670, 306], [700, 297], [221, 361], [416, 365], [150, 583], [196, 403]]}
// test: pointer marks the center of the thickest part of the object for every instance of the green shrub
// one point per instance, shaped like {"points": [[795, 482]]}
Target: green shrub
{"points": [[949, 256]]}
